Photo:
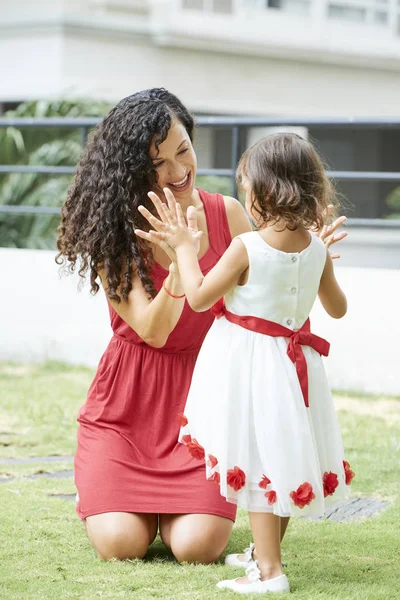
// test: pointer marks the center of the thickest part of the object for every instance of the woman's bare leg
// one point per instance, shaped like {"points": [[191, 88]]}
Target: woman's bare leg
{"points": [[197, 538], [121, 535]]}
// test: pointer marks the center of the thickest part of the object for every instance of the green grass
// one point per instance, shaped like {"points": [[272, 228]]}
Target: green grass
{"points": [[45, 555]]}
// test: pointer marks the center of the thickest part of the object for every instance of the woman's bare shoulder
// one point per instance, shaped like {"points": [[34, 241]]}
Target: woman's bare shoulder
{"points": [[237, 217]]}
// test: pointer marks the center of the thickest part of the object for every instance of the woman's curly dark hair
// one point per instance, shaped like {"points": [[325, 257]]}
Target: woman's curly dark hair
{"points": [[115, 174], [288, 181]]}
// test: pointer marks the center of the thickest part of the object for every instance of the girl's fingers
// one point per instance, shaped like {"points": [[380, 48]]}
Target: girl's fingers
{"points": [[180, 216], [191, 217], [171, 201], [158, 204], [170, 217], [156, 223]]}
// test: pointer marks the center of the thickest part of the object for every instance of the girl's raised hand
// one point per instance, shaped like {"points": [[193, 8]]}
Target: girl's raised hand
{"points": [[170, 231], [157, 224], [327, 233]]}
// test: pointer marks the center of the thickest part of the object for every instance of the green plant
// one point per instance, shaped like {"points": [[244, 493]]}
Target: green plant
{"points": [[215, 184], [393, 202], [39, 146]]}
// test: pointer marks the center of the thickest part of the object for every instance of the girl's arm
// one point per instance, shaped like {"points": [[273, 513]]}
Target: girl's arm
{"points": [[202, 292], [330, 293], [152, 319]]}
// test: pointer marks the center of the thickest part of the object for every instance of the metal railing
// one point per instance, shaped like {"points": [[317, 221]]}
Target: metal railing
{"points": [[236, 124]]}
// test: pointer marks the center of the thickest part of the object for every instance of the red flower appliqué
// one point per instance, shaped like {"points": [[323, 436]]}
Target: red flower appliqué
{"points": [[264, 482], [303, 495], [215, 478], [182, 420], [195, 449], [212, 461], [330, 481], [236, 478], [271, 496], [186, 439], [348, 472]]}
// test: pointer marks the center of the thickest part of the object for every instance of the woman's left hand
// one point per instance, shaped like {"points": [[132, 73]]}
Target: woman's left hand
{"points": [[327, 233]]}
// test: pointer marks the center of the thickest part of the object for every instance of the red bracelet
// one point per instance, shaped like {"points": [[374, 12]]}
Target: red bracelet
{"points": [[169, 293]]}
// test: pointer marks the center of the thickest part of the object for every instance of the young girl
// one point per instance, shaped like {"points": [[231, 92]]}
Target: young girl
{"points": [[259, 411]]}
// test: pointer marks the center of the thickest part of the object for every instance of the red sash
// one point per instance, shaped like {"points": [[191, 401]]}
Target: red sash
{"points": [[302, 337]]}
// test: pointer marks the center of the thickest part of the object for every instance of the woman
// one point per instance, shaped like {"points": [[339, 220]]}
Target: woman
{"points": [[131, 474]]}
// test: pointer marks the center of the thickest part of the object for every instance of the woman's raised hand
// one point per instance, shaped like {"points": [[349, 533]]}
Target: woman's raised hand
{"points": [[170, 230], [327, 233]]}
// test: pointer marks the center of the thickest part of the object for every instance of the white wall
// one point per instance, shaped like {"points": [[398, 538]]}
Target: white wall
{"points": [[44, 317]]}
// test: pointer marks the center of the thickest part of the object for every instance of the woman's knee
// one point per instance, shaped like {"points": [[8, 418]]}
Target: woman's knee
{"points": [[199, 538], [121, 535]]}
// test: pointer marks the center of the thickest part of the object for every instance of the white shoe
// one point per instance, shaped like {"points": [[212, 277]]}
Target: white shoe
{"points": [[233, 560], [278, 585]]}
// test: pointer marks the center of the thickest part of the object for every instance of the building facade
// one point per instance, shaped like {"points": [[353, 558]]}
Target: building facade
{"points": [[240, 57]]}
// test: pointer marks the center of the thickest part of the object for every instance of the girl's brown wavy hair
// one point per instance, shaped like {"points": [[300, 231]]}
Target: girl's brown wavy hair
{"points": [[113, 178], [288, 181]]}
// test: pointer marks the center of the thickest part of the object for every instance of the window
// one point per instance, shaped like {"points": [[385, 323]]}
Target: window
{"points": [[215, 6], [375, 12], [294, 6]]}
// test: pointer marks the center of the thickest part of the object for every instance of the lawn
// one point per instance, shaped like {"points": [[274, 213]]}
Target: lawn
{"points": [[44, 553]]}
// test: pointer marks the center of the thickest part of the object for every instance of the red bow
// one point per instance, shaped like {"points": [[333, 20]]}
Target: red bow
{"points": [[218, 310], [297, 339]]}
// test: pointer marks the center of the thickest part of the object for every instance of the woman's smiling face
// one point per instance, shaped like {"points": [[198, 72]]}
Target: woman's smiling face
{"points": [[175, 161]]}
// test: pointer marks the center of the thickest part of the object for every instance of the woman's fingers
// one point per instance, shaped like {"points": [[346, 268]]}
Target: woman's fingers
{"points": [[334, 237], [155, 237], [336, 224], [329, 229], [151, 236]]}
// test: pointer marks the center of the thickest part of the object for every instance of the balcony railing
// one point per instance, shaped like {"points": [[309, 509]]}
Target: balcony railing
{"points": [[236, 125]]}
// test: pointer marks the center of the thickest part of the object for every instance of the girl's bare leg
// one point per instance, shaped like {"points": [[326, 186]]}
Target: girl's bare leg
{"points": [[266, 530], [284, 525]]}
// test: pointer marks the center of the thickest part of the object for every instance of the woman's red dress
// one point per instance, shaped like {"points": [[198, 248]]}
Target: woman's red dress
{"points": [[128, 457]]}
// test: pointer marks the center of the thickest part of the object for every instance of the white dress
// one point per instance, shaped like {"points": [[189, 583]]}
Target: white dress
{"points": [[246, 415]]}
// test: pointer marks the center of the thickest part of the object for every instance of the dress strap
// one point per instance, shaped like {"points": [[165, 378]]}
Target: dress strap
{"points": [[217, 221]]}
